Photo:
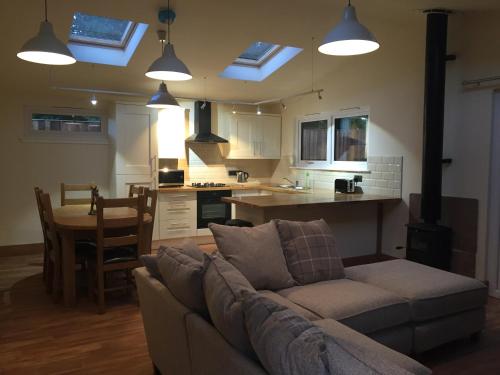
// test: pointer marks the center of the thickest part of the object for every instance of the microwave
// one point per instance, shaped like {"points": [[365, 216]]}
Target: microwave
{"points": [[170, 178]]}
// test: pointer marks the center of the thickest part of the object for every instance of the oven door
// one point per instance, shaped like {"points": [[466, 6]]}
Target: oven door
{"points": [[211, 209]]}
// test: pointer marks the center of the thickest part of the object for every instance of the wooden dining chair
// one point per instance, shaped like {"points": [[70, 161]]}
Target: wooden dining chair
{"points": [[46, 279], [150, 200], [76, 188], [119, 243], [135, 191]]}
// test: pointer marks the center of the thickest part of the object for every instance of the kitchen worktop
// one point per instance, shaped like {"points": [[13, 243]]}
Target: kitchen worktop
{"points": [[314, 198], [247, 186]]}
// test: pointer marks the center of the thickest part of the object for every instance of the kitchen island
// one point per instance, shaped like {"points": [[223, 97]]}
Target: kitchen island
{"points": [[356, 219]]}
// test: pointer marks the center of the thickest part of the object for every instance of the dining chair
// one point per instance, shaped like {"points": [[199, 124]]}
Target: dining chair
{"points": [[119, 243], [46, 259], [76, 188], [135, 190], [150, 200]]}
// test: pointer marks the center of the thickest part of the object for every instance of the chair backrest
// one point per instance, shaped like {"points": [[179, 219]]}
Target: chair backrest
{"points": [[38, 196], [113, 231], [150, 199], [135, 191], [47, 217], [76, 187]]}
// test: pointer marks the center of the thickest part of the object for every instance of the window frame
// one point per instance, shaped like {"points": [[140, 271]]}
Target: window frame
{"points": [[31, 135], [331, 163]]}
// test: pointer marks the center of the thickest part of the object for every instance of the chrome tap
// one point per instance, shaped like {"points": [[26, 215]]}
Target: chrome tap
{"points": [[290, 181]]}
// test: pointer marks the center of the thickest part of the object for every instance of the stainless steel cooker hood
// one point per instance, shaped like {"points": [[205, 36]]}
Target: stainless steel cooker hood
{"points": [[203, 125]]}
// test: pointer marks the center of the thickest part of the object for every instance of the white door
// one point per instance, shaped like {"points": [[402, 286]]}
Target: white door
{"points": [[270, 129], [133, 140]]}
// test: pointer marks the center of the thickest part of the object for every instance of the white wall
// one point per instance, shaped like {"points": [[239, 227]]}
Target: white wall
{"points": [[27, 164]]}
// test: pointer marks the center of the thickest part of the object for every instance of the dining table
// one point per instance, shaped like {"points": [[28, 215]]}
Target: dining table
{"points": [[73, 222]]}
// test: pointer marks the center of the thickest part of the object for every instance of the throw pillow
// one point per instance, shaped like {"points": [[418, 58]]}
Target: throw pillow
{"points": [[310, 251], [287, 343], [183, 276], [223, 286], [256, 252]]}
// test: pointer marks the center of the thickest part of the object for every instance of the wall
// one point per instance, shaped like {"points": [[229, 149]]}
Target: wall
{"points": [[28, 164]]}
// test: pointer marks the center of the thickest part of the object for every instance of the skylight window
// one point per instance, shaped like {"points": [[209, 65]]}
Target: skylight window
{"points": [[259, 61], [100, 30], [104, 40]]}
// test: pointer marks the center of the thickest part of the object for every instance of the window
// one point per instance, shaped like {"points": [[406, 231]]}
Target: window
{"points": [[259, 61], [333, 141], [100, 30], [104, 40], [58, 125]]}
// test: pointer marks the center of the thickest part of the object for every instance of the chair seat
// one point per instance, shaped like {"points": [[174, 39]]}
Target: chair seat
{"points": [[116, 254]]}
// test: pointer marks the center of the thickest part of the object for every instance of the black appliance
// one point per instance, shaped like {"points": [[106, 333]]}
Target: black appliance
{"points": [[348, 186], [211, 209], [203, 125], [170, 178], [428, 242]]}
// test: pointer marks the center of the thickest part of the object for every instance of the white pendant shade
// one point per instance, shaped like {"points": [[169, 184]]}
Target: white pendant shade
{"points": [[45, 48], [162, 98], [168, 67], [349, 37]]}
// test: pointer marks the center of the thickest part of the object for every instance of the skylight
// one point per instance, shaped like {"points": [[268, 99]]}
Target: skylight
{"points": [[104, 40], [259, 61]]}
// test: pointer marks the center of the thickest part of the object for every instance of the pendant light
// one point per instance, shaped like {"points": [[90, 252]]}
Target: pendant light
{"points": [[168, 67], [162, 99], [349, 37], [45, 48]]}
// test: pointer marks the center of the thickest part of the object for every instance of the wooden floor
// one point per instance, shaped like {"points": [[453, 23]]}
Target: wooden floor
{"points": [[40, 337]]}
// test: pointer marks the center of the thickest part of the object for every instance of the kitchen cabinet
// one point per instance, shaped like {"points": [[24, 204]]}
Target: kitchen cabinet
{"points": [[177, 214], [251, 136]]}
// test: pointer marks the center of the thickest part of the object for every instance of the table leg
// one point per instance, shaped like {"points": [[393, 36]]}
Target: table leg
{"points": [[68, 267], [380, 220]]}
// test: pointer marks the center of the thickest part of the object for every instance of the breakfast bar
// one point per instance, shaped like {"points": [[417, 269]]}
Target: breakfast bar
{"points": [[347, 215]]}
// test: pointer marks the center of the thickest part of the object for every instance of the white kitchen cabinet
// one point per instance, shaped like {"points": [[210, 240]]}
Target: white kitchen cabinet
{"points": [[251, 136], [177, 214]]}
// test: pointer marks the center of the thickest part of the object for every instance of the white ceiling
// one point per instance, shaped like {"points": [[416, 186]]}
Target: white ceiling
{"points": [[207, 36]]}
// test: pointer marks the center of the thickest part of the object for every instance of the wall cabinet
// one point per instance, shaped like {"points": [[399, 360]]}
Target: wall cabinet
{"points": [[251, 136]]}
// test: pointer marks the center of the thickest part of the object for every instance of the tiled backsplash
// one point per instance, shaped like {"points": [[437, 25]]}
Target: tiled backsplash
{"points": [[383, 178]]}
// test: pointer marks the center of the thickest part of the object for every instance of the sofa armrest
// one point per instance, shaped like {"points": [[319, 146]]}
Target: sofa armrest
{"points": [[212, 355], [164, 325]]}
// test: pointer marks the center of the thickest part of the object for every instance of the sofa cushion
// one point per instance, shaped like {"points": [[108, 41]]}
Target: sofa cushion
{"points": [[183, 276], [373, 348], [223, 286], [287, 303], [310, 251], [431, 292], [286, 343], [256, 252], [360, 306]]}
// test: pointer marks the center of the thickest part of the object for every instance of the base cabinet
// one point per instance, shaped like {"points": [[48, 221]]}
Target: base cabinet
{"points": [[177, 214]]}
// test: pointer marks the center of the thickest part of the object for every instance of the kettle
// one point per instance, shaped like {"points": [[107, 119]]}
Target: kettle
{"points": [[242, 176]]}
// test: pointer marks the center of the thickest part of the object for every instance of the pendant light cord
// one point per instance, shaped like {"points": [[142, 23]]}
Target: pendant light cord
{"points": [[46, 19], [312, 64], [169, 22]]}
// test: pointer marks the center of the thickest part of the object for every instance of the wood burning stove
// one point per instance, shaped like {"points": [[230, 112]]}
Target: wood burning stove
{"points": [[428, 242]]}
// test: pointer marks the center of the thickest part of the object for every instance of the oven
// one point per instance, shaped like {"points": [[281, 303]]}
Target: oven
{"points": [[211, 209]]}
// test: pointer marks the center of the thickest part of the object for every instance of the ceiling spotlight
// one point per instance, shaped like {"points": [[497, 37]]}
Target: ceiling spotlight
{"points": [[283, 106], [349, 37], [162, 98], [93, 100], [319, 95], [234, 109], [45, 48], [203, 105], [259, 112]]}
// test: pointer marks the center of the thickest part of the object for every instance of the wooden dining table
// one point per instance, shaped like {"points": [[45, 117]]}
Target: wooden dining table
{"points": [[74, 223]]}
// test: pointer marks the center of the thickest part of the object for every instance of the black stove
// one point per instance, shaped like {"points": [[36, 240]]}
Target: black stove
{"points": [[208, 184]]}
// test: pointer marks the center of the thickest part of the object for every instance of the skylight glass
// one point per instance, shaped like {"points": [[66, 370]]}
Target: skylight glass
{"points": [[99, 30], [257, 54]]}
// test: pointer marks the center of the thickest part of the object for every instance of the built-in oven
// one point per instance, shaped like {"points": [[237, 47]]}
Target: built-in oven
{"points": [[211, 209]]}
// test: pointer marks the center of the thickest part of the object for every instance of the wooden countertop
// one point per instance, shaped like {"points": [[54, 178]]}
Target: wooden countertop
{"points": [[250, 186], [281, 200]]}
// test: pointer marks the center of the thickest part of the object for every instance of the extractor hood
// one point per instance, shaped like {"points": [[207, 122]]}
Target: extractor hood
{"points": [[203, 125]]}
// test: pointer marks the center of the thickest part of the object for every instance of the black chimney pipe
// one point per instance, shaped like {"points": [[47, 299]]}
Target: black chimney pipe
{"points": [[435, 77]]}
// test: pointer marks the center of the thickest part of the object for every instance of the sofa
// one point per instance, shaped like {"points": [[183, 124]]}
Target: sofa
{"points": [[390, 309]]}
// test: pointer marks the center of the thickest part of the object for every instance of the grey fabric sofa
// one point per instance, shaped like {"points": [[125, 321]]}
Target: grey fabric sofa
{"points": [[392, 308]]}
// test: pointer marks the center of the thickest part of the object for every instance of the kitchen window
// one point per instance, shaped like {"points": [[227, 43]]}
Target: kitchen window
{"points": [[64, 126], [335, 141]]}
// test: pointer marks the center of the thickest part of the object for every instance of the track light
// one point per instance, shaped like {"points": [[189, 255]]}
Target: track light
{"points": [[234, 110], [319, 95], [259, 112], [93, 100]]}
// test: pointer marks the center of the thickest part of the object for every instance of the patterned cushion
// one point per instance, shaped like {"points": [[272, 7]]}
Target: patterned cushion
{"points": [[310, 252]]}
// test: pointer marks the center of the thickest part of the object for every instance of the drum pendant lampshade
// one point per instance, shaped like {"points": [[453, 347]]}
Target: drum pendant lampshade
{"points": [[168, 67], [349, 37], [162, 98]]}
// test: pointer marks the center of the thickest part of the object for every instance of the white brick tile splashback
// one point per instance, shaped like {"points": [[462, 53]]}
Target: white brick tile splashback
{"points": [[384, 177]]}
